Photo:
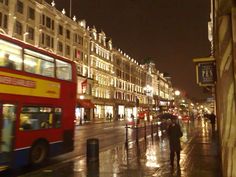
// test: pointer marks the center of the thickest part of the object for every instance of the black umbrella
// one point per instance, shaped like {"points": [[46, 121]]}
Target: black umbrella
{"points": [[167, 116]]}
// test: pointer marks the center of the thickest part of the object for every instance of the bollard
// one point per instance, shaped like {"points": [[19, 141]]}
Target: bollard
{"points": [[145, 129], [136, 133], [92, 150], [126, 135], [93, 169], [152, 130]]}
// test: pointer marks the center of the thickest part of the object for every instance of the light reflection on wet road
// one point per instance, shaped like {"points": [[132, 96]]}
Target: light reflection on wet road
{"points": [[145, 158]]}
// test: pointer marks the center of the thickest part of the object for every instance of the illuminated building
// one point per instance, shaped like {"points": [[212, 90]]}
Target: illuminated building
{"points": [[129, 84], [102, 73], [42, 25], [109, 81]]}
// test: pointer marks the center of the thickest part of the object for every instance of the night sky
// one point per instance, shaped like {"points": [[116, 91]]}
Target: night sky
{"points": [[170, 32]]}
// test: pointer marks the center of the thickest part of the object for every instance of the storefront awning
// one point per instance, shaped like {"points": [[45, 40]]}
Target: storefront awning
{"points": [[85, 103]]}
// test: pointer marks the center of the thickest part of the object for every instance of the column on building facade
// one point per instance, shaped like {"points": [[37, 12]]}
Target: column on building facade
{"points": [[224, 37]]}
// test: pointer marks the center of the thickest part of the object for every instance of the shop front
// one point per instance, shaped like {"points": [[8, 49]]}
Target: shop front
{"points": [[105, 112], [84, 111], [121, 112]]}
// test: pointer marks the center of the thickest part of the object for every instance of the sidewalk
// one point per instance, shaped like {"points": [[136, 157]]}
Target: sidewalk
{"points": [[198, 158], [151, 158]]}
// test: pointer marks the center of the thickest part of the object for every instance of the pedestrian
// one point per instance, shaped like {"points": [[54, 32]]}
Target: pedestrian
{"points": [[118, 117], [9, 63], [107, 116], [174, 134], [110, 116], [212, 118], [132, 117]]}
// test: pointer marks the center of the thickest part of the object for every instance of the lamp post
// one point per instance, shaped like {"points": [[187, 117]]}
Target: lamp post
{"points": [[177, 94], [148, 90]]}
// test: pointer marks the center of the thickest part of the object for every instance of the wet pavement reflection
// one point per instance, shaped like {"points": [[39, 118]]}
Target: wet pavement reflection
{"points": [[149, 158]]}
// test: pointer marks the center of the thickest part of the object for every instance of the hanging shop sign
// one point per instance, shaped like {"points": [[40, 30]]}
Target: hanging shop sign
{"points": [[205, 72]]}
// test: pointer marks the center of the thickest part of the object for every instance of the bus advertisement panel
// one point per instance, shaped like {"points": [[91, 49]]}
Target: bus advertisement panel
{"points": [[37, 104]]}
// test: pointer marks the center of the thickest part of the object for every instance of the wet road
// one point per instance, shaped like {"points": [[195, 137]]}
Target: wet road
{"points": [[142, 158]]}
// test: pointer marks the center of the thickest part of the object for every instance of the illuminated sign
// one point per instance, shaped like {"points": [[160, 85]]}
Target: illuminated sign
{"points": [[206, 73], [22, 85]]}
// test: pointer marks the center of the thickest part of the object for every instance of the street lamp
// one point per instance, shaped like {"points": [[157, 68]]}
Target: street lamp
{"points": [[148, 91], [177, 94]]}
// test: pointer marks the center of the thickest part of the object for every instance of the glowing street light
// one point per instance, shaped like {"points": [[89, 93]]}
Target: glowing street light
{"points": [[177, 92], [148, 90]]}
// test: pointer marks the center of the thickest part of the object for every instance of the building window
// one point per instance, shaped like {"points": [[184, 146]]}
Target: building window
{"points": [[43, 19], [48, 22], [80, 40], [19, 7], [31, 13], [68, 34], [1, 19], [5, 20], [75, 38], [52, 42], [67, 50], [48, 41], [42, 38], [60, 30], [60, 47], [31, 33], [4, 2], [18, 28], [52, 24]]}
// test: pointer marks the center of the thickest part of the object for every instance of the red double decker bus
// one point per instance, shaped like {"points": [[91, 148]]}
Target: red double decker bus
{"points": [[37, 104]]}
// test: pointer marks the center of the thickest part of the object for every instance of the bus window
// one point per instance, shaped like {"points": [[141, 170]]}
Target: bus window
{"points": [[8, 119], [57, 118], [30, 64], [38, 64], [25, 123], [37, 117], [7, 63], [64, 70], [10, 55]]}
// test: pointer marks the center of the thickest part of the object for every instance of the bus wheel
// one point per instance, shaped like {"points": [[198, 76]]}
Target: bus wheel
{"points": [[38, 153]]}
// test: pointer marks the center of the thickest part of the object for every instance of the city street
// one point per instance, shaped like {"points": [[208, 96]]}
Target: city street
{"points": [[142, 158]]}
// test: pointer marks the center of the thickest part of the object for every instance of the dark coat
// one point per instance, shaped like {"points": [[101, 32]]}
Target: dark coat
{"points": [[212, 118], [175, 133]]}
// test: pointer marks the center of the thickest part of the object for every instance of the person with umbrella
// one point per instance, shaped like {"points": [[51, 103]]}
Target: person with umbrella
{"points": [[174, 134]]}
